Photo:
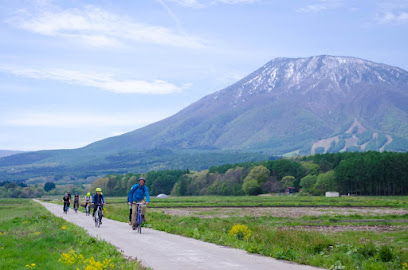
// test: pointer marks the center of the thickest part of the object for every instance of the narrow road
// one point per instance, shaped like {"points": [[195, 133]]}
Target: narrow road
{"points": [[160, 250]]}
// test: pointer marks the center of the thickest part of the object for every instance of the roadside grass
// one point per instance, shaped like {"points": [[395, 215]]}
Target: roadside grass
{"points": [[279, 201], [33, 238], [283, 237]]}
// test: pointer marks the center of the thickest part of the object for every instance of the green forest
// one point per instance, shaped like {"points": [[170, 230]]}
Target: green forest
{"points": [[355, 173]]}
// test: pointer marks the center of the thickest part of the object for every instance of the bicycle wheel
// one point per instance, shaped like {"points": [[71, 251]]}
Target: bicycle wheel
{"points": [[139, 220], [97, 218]]}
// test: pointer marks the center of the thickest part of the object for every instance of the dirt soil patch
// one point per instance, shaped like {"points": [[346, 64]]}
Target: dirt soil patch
{"points": [[292, 212]]}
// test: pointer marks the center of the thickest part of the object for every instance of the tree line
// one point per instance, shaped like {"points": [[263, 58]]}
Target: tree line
{"points": [[19, 190], [362, 173], [157, 181]]}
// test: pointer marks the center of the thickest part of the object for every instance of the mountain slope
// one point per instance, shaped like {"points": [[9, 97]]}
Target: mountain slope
{"points": [[285, 105], [290, 105], [5, 153]]}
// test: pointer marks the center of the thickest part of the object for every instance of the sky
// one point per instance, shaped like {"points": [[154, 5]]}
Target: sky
{"points": [[73, 72]]}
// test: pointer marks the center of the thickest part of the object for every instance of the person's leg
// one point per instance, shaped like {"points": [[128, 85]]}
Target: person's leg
{"points": [[130, 216], [143, 210], [134, 213]]}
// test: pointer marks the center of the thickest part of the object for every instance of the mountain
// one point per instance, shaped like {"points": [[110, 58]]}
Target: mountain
{"points": [[288, 106], [5, 153]]}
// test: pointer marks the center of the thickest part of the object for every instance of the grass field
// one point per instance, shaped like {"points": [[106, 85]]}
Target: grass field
{"points": [[334, 233], [278, 201], [32, 238]]}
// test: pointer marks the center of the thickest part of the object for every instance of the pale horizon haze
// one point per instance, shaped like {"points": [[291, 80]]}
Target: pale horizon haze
{"points": [[74, 72]]}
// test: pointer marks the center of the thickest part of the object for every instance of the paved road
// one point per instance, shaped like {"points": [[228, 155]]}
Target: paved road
{"points": [[160, 250]]}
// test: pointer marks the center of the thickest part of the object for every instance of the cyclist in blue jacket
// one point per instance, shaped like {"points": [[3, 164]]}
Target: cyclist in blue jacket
{"points": [[137, 195]]}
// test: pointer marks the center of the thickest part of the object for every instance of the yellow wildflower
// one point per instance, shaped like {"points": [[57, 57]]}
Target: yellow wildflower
{"points": [[240, 232]]}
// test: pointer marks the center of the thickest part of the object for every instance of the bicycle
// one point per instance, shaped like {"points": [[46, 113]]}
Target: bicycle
{"points": [[87, 209], [76, 205], [98, 216], [139, 218], [66, 207]]}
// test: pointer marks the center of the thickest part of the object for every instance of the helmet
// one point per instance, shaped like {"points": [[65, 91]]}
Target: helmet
{"points": [[88, 194], [98, 189], [142, 178]]}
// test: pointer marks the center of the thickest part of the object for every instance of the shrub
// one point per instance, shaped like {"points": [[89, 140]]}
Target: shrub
{"points": [[240, 232], [251, 187], [386, 254], [368, 250]]}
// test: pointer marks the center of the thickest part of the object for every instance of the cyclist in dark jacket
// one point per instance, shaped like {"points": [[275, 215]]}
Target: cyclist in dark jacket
{"points": [[98, 200], [76, 201], [66, 202], [69, 197]]}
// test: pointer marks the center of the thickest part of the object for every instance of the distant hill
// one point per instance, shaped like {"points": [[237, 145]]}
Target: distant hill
{"points": [[5, 153], [289, 106]]}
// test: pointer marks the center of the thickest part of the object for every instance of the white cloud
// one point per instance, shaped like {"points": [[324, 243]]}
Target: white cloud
{"points": [[118, 133], [77, 120], [321, 5], [393, 17], [236, 1], [103, 81], [188, 3], [203, 3], [100, 28]]}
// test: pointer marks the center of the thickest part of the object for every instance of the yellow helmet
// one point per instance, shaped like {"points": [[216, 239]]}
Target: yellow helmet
{"points": [[98, 189], [88, 194]]}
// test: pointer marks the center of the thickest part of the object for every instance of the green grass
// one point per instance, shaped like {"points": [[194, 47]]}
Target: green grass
{"points": [[302, 201], [31, 235], [283, 237]]}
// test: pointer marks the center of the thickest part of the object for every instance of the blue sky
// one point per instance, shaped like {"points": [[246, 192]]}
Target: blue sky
{"points": [[73, 72]]}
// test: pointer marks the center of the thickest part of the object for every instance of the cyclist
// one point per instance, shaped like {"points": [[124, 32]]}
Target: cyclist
{"points": [[137, 195], [98, 200], [130, 211], [66, 202], [69, 197], [76, 201], [87, 199]]}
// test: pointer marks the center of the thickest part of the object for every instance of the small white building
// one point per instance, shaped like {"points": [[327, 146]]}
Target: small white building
{"points": [[332, 194], [162, 196]]}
